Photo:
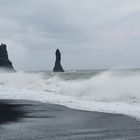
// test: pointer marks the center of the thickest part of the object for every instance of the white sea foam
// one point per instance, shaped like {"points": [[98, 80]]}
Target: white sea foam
{"points": [[106, 92]]}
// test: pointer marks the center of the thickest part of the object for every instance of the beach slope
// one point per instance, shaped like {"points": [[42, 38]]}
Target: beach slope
{"points": [[29, 120]]}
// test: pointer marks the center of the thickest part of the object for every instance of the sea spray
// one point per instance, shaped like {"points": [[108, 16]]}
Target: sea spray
{"points": [[109, 91]]}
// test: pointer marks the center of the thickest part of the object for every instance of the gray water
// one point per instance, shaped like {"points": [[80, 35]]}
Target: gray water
{"points": [[86, 74]]}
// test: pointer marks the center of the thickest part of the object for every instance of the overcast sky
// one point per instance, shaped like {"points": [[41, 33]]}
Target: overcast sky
{"points": [[90, 33]]}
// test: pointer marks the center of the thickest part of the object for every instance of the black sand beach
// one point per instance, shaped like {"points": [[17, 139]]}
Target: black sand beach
{"points": [[28, 120]]}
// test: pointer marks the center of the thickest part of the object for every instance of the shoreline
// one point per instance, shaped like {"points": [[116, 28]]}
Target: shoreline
{"points": [[22, 119]]}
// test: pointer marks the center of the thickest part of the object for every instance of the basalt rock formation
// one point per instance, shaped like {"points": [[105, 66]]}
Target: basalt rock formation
{"points": [[58, 67], [5, 63]]}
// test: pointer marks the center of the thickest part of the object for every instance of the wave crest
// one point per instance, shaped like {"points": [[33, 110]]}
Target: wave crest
{"points": [[106, 92]]}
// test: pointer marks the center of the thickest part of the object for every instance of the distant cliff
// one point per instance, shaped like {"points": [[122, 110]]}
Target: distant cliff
{"points": [[5, 63], [58, 67]]}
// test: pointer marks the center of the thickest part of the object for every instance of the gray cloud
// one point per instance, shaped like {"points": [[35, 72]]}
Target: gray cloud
{"points": [[105, 32]]}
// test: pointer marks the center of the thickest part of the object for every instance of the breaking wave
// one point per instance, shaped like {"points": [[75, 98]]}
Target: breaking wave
{"points": [[103, 92]]}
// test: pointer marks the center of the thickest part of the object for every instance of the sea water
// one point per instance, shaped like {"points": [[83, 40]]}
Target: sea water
{"points": [[111, 91]]}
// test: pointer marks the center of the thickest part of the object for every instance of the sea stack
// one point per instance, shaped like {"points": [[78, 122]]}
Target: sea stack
{"points": [[58, 66], [5, 63]]}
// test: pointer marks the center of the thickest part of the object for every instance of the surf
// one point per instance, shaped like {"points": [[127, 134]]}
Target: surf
{"points": [[105, 91]]}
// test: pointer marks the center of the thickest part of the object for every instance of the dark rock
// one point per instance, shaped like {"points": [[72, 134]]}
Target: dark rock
{"points": [[5, 63], [58, 67]]}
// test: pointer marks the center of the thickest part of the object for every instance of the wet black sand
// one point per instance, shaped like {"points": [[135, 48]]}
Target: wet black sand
{"points": [[28, 120]]}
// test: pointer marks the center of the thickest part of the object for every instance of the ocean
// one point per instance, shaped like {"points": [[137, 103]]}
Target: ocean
{"points": [[109, 91]]}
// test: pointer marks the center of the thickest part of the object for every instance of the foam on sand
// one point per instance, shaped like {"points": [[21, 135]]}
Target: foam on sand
{"points": [[106, 92]]}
